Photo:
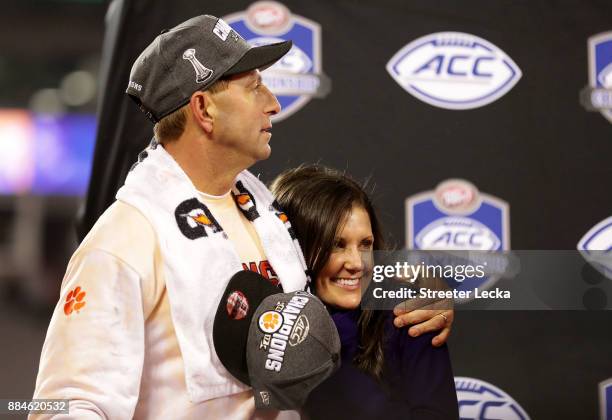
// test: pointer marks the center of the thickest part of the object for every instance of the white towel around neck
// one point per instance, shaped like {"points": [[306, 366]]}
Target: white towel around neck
{"points": [[199, 259]]}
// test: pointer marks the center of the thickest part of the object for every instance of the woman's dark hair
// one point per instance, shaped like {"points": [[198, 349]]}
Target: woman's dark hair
{"points": [[317, 201]]}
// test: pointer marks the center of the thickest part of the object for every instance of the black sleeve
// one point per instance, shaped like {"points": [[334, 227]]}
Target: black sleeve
{"points": [[422, 376]]}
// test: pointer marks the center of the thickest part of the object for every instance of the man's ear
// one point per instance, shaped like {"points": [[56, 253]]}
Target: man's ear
{"points": [[202, 108]]}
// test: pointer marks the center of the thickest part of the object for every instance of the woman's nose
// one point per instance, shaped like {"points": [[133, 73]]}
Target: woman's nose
{"points": [[353, 260]]}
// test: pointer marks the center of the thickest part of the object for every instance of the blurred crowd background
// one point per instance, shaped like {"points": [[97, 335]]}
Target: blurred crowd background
{"points": [[50, 53]]}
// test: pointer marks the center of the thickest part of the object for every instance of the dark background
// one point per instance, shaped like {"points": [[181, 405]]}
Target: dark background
{"points": [[535, 148]]}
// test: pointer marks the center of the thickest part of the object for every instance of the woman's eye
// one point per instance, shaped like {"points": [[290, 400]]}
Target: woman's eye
{"points": [[367, 244]]}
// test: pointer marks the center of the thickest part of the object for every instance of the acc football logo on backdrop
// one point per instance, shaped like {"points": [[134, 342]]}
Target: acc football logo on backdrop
{"points": [[298, 76], [456, 216], [479, 400], [597, 96], [454, 70], [596, 246]]}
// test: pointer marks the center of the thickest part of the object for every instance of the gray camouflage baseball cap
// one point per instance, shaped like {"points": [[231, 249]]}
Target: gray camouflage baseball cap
{"points": [[191, 57]]}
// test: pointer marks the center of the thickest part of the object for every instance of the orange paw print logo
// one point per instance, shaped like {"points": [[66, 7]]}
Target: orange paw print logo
{"points": [[270, 322], [74, 301]]}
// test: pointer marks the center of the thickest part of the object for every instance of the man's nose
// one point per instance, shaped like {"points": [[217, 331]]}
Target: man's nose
{"points": [[273, 106]]}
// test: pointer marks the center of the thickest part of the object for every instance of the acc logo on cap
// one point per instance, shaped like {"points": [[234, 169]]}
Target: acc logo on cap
{"points": [[454, 70], [270, 321], [299, 331], [479, 400], [597, 96], [298, 76]]}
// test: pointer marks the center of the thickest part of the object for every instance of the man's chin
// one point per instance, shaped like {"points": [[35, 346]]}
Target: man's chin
{"points": [[265, 153]]}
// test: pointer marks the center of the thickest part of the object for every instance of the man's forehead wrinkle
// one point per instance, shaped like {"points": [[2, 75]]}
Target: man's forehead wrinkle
{"points": [[247, 77]]}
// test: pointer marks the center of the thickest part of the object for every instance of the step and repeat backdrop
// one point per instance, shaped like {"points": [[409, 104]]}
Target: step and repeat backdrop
{"points": [[480, 124]]}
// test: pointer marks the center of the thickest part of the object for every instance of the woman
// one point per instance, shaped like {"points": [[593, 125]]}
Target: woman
{"points": [[385, 373]]}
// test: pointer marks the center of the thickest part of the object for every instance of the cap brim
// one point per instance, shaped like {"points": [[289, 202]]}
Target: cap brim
{"points": [[230, 334], [260, 57]]}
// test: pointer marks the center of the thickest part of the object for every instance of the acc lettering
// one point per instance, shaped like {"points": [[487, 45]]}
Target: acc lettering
{"points": [[456, 239], [475, 70], [436, 60], [453, 70], [456, 65], [300, 331], [452, 61]]}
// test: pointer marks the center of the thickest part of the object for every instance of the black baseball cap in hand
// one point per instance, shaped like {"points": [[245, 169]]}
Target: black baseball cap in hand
{"points": [[281, 344], [190, 57]]}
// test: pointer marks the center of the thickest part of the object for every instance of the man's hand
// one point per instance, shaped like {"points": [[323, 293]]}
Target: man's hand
{"points": [[426, 320], [427, 314]]}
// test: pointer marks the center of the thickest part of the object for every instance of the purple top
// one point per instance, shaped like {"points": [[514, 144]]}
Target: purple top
{"points": [[418, 384]]}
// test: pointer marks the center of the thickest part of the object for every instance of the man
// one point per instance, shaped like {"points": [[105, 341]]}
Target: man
{"points": [[132, 333]]}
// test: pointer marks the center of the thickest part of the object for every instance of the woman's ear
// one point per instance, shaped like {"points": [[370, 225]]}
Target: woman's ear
{"points": [[202, 108]]}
